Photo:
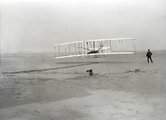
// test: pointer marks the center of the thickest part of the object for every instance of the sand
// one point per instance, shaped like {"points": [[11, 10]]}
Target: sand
{"points": [[123, 87]]}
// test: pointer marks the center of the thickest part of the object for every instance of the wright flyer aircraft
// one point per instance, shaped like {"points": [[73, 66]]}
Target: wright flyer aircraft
{"points": [[97, 47]]}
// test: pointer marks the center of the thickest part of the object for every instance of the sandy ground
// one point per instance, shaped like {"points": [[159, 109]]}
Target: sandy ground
{"points": [[62, 90]]}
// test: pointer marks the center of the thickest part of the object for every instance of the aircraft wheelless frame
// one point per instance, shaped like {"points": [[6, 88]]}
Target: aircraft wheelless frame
{"points": [[96, 47]]}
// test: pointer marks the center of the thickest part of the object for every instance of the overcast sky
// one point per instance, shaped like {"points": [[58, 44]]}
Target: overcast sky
{"points": [[34, 26]]}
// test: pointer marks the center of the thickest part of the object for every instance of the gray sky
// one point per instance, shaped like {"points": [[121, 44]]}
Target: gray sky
{"points": [[35, 26]]}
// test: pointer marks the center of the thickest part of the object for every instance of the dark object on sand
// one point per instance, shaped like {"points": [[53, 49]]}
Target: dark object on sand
{"points": [[137, 70], [90, 72]]}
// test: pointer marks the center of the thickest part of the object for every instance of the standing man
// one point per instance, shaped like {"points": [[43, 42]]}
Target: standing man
{"points": [[148, 55]]}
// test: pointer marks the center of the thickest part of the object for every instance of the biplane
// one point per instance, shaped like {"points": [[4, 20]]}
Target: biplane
{"points": [[96, 47]]}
